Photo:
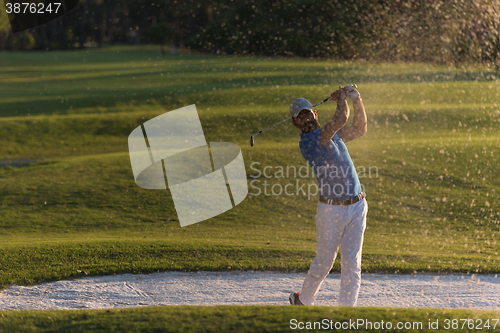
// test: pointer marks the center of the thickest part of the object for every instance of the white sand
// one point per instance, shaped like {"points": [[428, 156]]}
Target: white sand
{"points": [[212, 288]]}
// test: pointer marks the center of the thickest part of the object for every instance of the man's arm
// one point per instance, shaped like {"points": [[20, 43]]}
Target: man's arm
{"points": [[358, 127], [339, 118]]}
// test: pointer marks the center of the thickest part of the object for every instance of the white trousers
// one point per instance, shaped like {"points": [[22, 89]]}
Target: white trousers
{"points": [[336, 226]]}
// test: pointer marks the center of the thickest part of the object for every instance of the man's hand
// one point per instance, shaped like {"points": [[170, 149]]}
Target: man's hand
{"points": [[353, 95], [335, 96], [351, 92]]}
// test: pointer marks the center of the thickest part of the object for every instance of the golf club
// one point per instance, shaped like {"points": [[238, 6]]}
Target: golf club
{"points": [[252, 140]]}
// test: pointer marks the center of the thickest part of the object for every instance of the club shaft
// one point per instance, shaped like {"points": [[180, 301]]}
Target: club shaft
{"points": [[265, 129], [323, 101]]}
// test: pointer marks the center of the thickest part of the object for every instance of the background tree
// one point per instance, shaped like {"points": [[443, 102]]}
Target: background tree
{"points": [[406, 30], [4, 28], [160, 34]]}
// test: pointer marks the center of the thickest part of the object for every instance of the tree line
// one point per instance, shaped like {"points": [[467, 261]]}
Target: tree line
{"points": [[394, 30]]}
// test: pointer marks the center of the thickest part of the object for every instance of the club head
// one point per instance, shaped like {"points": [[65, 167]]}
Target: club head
{"points": [[251, 141]]}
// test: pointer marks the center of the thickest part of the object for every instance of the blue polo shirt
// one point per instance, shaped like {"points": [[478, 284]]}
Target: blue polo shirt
{"points": [[332, 165]]}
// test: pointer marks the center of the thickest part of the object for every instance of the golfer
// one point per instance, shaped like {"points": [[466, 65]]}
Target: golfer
{"points": [[341, 212]]}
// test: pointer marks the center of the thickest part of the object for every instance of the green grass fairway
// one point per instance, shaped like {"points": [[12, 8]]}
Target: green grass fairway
{"points": [[249, 319], [432, 147]]}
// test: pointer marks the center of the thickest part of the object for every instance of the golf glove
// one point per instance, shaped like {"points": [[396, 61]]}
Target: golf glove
{"points": [[351, 92]]}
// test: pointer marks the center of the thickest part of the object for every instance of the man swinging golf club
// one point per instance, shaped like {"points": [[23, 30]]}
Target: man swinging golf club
{"points": [[342, 208]]}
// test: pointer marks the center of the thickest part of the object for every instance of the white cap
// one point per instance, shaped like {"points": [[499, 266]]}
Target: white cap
{"points": [[298, 105]]}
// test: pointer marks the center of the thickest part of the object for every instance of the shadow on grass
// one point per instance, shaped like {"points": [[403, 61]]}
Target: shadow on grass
{"points": [[16, 163]]}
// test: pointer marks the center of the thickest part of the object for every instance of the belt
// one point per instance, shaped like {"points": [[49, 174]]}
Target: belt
{"points": [[342, 202]]}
